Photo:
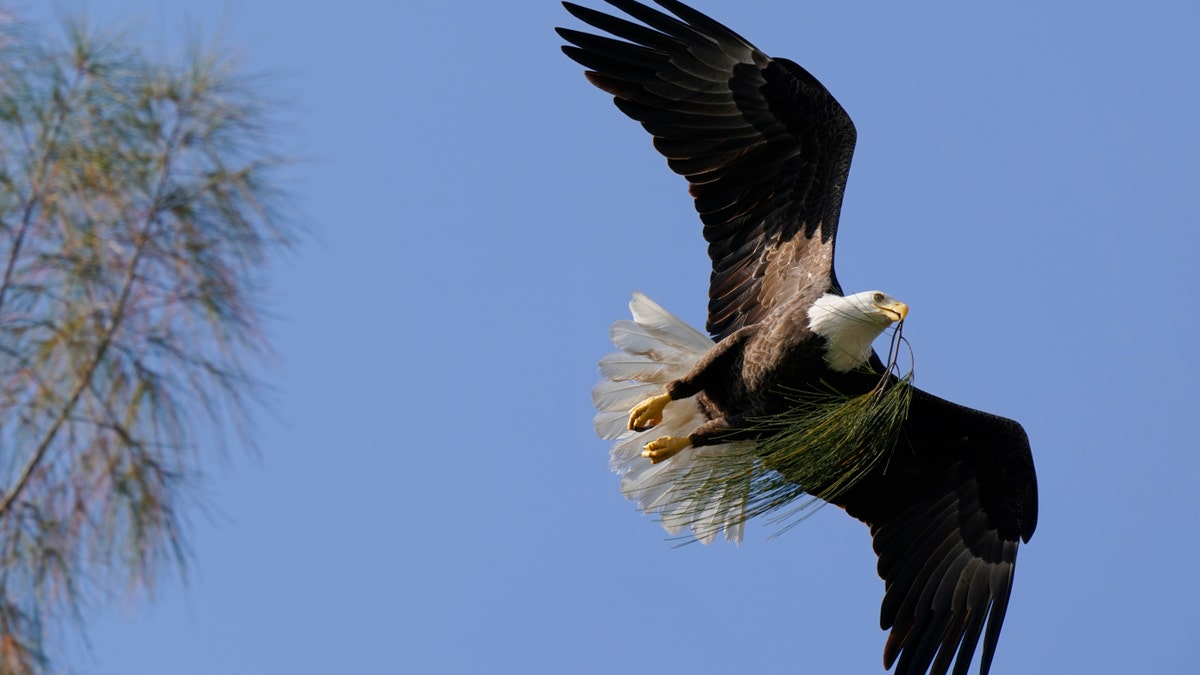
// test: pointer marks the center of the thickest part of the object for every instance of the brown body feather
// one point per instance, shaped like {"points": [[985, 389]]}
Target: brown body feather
{"points": [[739, 381]]}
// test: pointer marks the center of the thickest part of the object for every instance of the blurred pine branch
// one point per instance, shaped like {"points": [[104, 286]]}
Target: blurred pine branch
{"points": [[138, 207]]}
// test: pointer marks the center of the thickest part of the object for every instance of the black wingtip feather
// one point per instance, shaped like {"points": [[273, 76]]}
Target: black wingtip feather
{"points": [[611, 67], [659, 20], [627, 30], [1001, 590], [966, 648]]}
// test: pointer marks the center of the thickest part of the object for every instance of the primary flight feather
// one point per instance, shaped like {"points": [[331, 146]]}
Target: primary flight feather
{"points": [[787, 397]]}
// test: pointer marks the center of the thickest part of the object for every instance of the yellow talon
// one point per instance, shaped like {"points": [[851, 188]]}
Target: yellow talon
{"points": [[665, 448], [648, 413]]}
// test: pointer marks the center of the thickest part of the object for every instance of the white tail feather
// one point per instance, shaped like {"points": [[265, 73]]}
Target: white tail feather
{"points": [[657, 348]]}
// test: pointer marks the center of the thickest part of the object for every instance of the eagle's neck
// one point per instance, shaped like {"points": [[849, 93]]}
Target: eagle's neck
{"points": [[848, 330]]}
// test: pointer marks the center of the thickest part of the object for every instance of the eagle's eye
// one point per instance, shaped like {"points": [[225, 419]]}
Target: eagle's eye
{"points": [[878, 297]]}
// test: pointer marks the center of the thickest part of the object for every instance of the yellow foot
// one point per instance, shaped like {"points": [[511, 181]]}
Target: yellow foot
{"points": [[664, 448], [648, 413]]}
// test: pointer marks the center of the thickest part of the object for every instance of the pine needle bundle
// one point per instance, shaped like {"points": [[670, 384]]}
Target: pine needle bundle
{"points": [[823, 445]]}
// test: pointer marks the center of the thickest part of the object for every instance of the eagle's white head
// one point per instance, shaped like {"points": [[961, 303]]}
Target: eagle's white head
{"points": [[851, 323]]}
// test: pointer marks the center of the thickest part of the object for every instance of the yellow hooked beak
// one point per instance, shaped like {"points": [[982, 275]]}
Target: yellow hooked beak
{"points": [[896, 310]]}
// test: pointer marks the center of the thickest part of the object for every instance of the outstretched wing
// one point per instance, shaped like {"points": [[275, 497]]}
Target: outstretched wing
{"points": [[947, 515], [765, 147]]}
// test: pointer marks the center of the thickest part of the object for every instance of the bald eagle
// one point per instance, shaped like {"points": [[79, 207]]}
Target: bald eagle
{"points": [[766, 150]]}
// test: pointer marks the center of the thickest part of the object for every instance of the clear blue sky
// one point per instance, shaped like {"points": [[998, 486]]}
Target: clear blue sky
{"points": [[429, 496]]}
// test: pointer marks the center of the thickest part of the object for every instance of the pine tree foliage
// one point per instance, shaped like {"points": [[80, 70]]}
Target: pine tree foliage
{"points": [[138, 207]]}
